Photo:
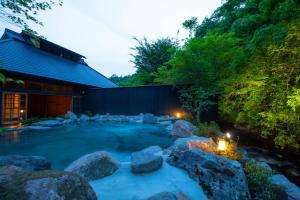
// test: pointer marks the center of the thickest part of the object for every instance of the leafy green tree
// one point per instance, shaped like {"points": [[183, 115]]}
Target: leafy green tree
{"points": [[196, 100], [20, 12], [266, 95], [149, 56], [191, 25]]}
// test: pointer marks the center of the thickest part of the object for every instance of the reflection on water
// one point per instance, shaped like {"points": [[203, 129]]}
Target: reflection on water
{"points": [[12, 137]]}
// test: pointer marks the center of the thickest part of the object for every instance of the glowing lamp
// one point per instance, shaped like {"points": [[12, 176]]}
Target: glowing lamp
{"points": [[22, 111], [178, 115], [228, 135], [222, 145]]}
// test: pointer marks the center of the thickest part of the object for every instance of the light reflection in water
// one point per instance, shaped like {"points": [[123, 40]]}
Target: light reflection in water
{"points": [[12, 137]]}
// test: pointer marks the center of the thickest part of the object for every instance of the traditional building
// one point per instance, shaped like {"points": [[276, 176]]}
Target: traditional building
{"points": [[42, 78]]}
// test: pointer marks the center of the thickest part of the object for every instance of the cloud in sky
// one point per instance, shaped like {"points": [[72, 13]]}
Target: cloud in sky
{"points": [[102, 30]]}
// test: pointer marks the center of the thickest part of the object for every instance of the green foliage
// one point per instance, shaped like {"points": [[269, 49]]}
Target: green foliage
{"points": [[191, 25], [2, 78], [259, 182], [195, 100], [2, 130], [266, 94], [207, 129], [19, 12], [149, 56]]}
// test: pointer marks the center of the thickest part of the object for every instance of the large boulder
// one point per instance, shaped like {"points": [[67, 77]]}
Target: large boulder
{"points": [[291, 190], [194, 142], [147, 160], [220, 177], [72, 116], [94, 166], [182, 129], [30, 163], [149, 118], [48, 123], [48, 185]]}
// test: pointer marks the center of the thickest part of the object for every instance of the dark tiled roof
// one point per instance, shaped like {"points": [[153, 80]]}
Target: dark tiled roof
{"points": [[18, 56]]}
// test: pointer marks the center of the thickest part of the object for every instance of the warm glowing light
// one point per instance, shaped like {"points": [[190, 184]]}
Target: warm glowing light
{"points": [[228, 135], [22, 111], [178, 115], [222, 145]]}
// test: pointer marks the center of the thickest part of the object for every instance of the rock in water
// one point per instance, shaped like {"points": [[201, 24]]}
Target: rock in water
{"points": [[149, 119], [291, 190], [220, 177], [94, 166], [146, 160], [182, 129], [163, 196], [46, 185], [71, 116], [31, 163], [84, 118]]}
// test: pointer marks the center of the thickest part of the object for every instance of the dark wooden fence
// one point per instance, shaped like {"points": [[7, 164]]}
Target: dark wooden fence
{"points": [[159, 100]]}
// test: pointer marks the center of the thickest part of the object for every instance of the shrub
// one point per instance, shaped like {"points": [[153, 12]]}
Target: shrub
{"points": [[259, 182], [208, 129]]}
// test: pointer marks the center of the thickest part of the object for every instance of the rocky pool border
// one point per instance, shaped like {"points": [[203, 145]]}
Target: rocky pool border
{"points": [[72, 118]]}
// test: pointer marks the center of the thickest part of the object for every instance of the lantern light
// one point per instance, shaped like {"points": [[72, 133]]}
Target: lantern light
{"points": [[222, 145], [22, 111], [178, 115], [228, 135]]}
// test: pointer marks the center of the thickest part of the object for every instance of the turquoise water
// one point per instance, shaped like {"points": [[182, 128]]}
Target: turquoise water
{"points": [[65, 144]]}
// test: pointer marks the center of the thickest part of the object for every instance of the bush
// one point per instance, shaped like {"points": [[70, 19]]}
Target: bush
{"points": [[259, 182], [208, 129]]}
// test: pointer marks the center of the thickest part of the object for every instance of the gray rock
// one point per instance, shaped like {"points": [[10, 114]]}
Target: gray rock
{"points": [[6, 173], [194, 142], [31, 163], [48, 123], [266, 166], [220, 177], [182, 128], [46, 185], [292, 190], [149, 119], [95, 117], [67, 121], [147, 160], [60, 119], [165, 123], [94, 166], [84, 118], [71, 116], [163, 196]]}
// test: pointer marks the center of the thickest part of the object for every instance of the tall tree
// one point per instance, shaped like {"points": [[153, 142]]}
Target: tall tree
{"points": [[149, 56]]}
